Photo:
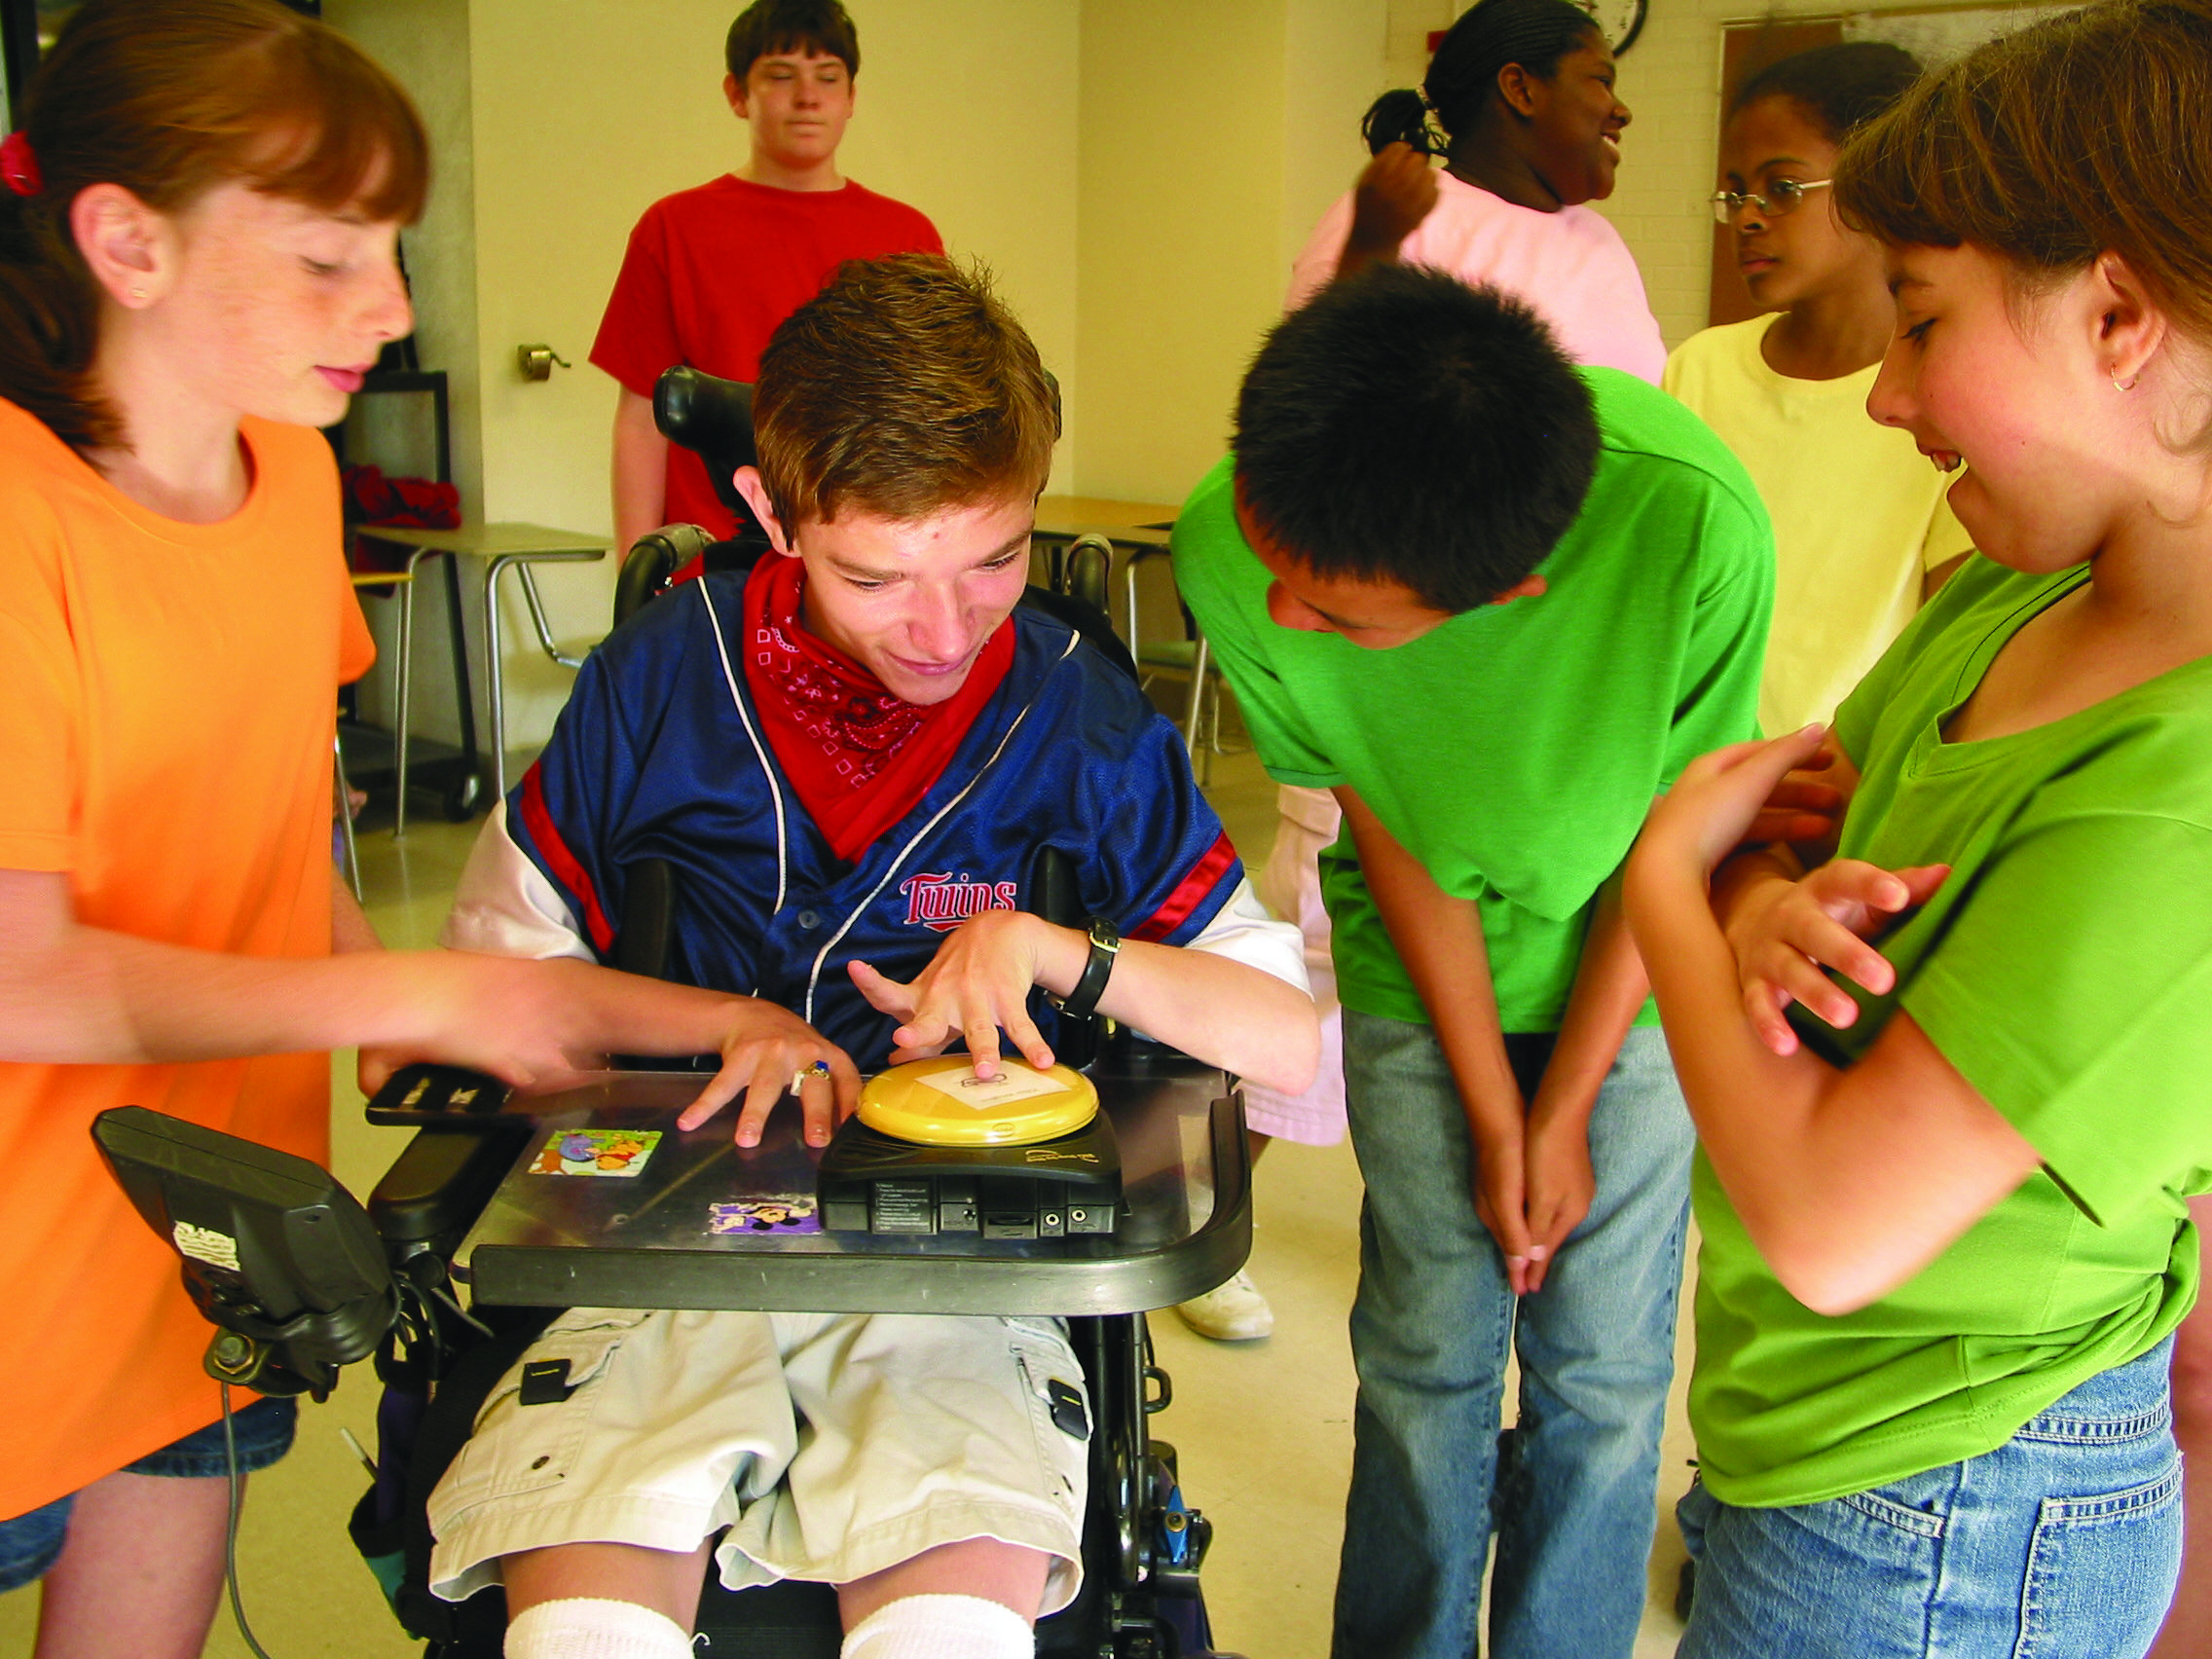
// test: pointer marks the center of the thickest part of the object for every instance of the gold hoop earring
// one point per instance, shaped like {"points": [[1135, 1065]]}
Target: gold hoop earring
{"points": [[2127, 385]]}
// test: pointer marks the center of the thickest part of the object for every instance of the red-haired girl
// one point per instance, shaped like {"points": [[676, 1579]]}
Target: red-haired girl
{"points": [[197, 231]]}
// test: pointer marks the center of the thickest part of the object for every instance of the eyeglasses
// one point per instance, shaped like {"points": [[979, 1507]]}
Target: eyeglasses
{"points": [[1783, 195]]}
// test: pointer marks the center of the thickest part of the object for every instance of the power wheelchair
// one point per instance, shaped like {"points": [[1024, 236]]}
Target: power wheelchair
{"points": [[313, 1281]]}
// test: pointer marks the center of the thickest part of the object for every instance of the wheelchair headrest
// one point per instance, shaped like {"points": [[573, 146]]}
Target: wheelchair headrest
{"points": [[712, 417]]}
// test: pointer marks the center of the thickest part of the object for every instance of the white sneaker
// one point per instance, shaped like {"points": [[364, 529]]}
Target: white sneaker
{"points": [[1232, 1312]]}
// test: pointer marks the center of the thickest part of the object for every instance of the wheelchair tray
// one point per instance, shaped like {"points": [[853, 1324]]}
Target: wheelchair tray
{"points": [[610, 1206]]}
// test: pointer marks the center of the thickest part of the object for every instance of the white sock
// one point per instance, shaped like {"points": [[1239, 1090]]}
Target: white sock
{"points": [[589, 1627], [941, 1626]]}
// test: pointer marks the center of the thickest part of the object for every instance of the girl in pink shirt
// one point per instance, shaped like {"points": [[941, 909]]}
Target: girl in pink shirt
{"points": [[1523, 92]]}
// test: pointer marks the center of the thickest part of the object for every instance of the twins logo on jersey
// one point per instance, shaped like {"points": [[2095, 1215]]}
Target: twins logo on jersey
{"points": [[937, 902]]}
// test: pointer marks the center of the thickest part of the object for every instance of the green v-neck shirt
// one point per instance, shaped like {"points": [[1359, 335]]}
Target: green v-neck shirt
{"points": [[2065, 969]]}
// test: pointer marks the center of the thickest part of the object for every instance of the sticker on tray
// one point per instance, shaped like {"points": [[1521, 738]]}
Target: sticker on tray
{"points": [[595, 1152], [1016, 1081], [788, 1212]]}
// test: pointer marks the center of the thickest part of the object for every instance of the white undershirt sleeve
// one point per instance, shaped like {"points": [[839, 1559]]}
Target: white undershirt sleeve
{"points": [[505, 905], [1242, 930]]}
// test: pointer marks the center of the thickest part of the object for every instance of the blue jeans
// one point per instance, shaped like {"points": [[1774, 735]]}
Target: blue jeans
{"points": [[1572, 1490], [31, 1543], [2064, 1541]]}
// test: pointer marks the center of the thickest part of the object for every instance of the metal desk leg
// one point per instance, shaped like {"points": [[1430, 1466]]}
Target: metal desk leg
{"points": [[467, 708], [494, 676], [401, 674], [459, 631]]}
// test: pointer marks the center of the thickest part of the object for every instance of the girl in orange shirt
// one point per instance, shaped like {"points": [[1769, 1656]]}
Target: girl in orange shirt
{"points": [[198, 227]]}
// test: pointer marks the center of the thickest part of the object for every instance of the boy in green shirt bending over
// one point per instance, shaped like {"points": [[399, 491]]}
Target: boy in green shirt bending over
{"points": [[1496, 603]]}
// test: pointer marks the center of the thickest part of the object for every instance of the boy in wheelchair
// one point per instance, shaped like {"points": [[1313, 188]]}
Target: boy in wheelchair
{"points": [[851, 754]]}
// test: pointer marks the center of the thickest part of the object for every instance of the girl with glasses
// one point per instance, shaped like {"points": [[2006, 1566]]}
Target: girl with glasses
{"points": [[1861, 530]]}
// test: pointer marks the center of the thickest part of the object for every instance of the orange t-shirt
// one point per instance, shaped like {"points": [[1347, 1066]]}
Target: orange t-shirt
{"points": [[167, 701]]}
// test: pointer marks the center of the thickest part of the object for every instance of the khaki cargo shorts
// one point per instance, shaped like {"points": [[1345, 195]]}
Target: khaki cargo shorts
{"points": [[829, 1446]]}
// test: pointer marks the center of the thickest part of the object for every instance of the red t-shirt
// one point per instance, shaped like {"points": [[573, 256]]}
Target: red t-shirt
{"points": [[709, 274]]}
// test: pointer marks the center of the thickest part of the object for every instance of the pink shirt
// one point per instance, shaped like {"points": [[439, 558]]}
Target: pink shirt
{"points": [[1570, 266]]}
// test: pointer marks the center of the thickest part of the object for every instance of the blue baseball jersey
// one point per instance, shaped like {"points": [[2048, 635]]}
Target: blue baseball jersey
{"points": [[661, 753]]}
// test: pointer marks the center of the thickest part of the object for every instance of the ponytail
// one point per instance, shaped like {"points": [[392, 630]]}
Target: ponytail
{"points": [[1398, 117], [1462, 76], [49, 318], [168, 98]]}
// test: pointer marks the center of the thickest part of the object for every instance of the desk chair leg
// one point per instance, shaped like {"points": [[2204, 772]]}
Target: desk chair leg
{"points": [[346, 819], [537, 620], [1196, 708], [1129, 583]]}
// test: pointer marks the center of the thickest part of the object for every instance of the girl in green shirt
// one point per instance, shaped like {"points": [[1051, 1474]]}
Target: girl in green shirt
{"points": [[1942, 1266]]}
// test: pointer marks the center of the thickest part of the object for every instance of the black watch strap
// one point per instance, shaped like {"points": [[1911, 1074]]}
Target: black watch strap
{"points": [[1105, 945]]}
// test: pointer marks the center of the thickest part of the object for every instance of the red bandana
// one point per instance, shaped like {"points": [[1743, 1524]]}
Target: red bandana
{"points": [[859, 757]]}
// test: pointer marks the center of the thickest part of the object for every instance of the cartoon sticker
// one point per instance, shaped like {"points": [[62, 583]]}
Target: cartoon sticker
{"points": [[783, 1213], [595, 1152]]}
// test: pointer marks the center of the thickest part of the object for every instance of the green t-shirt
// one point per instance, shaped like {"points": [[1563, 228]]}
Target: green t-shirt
{"points": [[1515, 750], [2065, 969]]}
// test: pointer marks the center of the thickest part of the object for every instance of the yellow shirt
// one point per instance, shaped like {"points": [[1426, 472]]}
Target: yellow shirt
{"points": [[165, 741], [1858, 513]]}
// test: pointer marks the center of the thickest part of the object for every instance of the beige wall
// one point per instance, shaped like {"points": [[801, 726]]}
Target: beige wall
{"points": [[1335, 62], [1180, 233], [588, 112], [1213, 137], [968, 109]]}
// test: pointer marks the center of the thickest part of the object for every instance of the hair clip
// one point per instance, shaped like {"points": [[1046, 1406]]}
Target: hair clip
{"points": [[18, 168]]}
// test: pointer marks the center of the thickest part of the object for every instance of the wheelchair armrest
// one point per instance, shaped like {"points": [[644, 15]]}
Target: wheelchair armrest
{"points": [[435, 1189], [653, 558]]}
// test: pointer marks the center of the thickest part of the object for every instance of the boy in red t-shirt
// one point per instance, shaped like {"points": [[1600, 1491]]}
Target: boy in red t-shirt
{"points": [[711, 272]]}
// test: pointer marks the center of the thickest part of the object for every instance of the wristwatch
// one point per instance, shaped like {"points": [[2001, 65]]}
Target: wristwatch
{"points": [[1105, 945]]}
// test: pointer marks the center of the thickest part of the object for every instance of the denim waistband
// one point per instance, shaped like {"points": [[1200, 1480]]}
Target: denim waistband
{"points": [[2128, 1400]]}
